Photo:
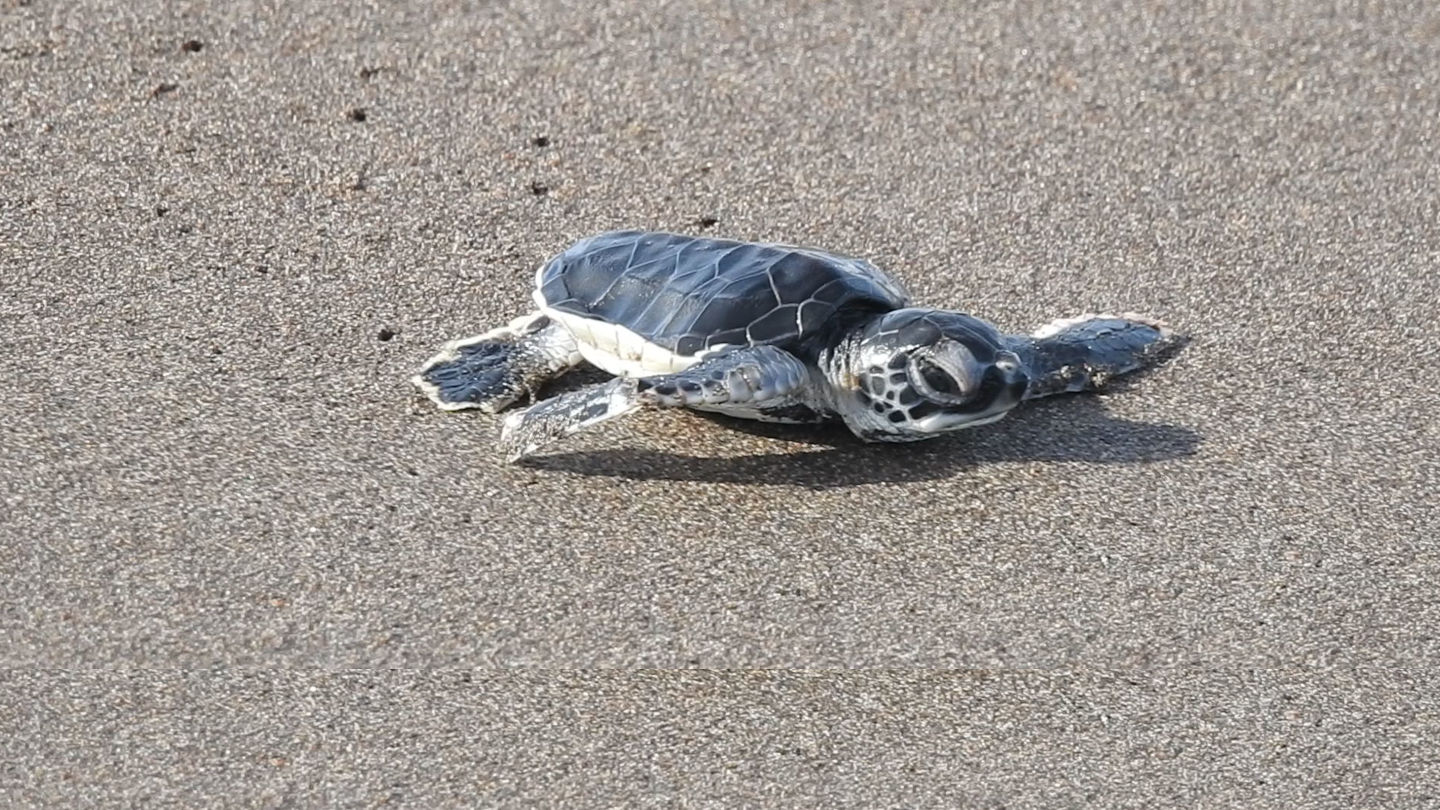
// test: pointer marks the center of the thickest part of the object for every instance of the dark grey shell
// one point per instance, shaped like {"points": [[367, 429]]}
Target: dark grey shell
{"points": [[687, 294]]}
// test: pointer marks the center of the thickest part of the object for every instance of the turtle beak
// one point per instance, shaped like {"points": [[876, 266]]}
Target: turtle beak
{"points": [[1016, 380]]}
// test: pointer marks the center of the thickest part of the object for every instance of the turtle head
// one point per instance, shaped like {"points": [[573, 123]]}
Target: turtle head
{"points": [[919, 372]]}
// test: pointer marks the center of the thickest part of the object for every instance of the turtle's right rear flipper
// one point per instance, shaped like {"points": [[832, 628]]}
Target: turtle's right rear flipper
{"points": [[752, 374], [494, 370], [1085, 353], [544, 422]]}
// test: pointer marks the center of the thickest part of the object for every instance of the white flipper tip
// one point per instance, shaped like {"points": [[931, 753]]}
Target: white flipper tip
{"points": [[1061, 324], [514, 451]]}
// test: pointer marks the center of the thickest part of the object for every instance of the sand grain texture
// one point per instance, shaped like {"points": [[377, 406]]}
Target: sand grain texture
{"points": [[245, 565]]}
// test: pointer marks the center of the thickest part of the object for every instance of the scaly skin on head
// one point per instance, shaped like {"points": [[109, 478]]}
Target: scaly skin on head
{"points": [[912, 374]]}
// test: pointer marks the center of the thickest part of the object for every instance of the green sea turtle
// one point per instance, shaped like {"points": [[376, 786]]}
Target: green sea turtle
{"points": [[768, 332]]}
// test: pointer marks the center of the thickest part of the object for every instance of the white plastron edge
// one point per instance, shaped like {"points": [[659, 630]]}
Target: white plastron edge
{"points": [[618, 350]]}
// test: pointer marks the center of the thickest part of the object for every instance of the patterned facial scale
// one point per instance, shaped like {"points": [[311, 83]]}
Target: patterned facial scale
{"points": [[922, 372]]}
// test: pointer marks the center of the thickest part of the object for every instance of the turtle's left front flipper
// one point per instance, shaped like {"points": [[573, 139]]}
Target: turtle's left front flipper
{"points": [[1085, 353], [750, 374]]}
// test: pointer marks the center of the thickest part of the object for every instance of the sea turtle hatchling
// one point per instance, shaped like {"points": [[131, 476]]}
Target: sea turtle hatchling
{"points": [[770, 332]]}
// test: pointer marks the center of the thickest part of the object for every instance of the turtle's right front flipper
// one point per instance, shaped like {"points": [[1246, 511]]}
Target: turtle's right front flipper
{"points": [[750, 374], [1084, 353]]}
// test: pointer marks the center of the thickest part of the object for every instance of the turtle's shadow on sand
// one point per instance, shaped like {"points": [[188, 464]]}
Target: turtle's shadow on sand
{"points": [[1067, 429]]}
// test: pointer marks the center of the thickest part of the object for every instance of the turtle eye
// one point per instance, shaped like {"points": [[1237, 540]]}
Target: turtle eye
{"points": [[935, 382]]}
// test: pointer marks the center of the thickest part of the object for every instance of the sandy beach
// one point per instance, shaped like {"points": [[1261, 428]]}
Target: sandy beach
{"points": [[245, 564]]}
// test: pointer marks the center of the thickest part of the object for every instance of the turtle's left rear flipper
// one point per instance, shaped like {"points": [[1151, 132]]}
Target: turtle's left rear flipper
{"points": [[743, 375], [494, 370]]}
